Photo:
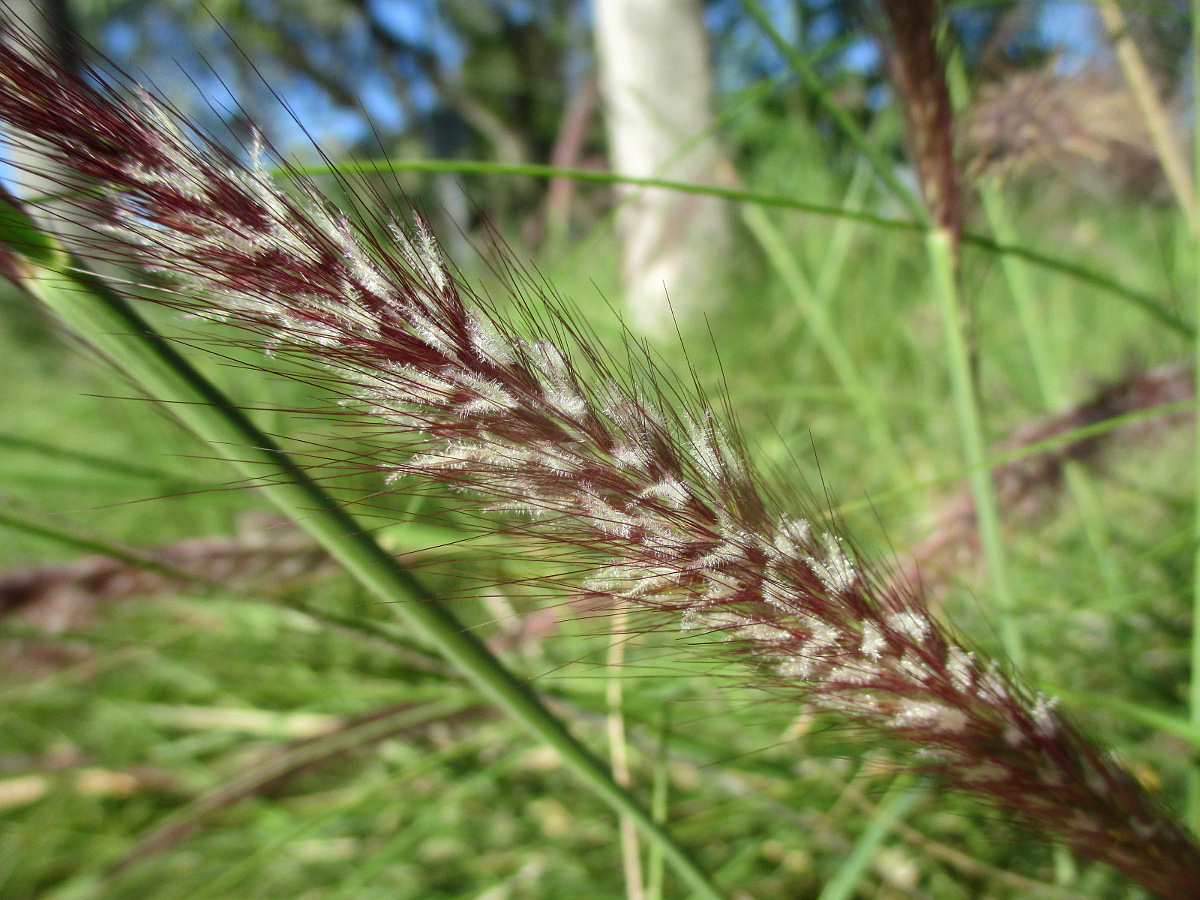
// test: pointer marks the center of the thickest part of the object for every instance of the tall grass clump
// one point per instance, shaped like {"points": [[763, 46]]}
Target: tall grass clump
{"points": [[596, 460]]}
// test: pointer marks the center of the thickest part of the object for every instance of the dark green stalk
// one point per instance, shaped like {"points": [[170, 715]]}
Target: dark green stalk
{"points": [[94, 311]]}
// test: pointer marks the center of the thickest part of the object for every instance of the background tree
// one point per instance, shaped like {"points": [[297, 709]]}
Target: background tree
{"points": [[659, 110]]}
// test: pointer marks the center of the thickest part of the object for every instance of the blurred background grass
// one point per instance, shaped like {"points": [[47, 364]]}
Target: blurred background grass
{"points": [[280, 737]]}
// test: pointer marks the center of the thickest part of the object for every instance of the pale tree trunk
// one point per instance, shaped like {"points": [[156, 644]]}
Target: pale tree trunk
{"points": [[658, 92]]}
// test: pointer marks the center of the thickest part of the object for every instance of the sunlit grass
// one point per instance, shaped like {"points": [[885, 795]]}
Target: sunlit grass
{"points": [[457, 805]]}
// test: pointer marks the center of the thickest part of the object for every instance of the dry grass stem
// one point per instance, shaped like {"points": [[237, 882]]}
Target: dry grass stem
{"points": [[919, 76], [1145, 93], [1083, 127], [1030, 484]]}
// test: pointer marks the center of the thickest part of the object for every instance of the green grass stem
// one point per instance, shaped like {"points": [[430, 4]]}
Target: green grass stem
{"points": [[1193, 804], [883, 167], [1077, 434], [1145, 93], [942, 265], [1146, 302], [659, 806], [1048, 382], [105, 319], [1137, 713], [1021, 290], [899, 798], [837, 251], [1142, 300], [814, 308], [618, 750]]}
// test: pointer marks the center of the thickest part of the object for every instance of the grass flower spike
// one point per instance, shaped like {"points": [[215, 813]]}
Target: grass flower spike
{"points": [[650, 486]]}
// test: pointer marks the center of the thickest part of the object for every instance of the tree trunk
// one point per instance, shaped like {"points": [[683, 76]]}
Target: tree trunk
{"points": [[658, 91]]}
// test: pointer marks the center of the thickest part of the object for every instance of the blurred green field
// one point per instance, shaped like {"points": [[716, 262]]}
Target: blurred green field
{"points": [[289, 739]]}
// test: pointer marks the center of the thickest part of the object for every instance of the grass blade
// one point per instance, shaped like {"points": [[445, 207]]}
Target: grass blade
{"points": [[109, 322], [941, 259]]}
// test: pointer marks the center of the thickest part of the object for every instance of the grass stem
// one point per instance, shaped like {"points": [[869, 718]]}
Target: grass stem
{"points": [[618, 751], [659, 804], [1158, 122], [1193, 800], [900, 797], [940, 248], [1144, 301], [815, 308], [884, 170], [1033, 329], [105, 319]]}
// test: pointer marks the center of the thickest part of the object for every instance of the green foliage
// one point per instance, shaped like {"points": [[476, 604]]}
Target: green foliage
{"points": [[146, 709]]}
